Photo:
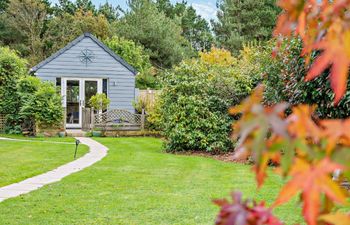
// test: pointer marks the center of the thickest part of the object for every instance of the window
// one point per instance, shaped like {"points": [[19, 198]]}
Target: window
{"points": [[105, 86], [58, 85]]}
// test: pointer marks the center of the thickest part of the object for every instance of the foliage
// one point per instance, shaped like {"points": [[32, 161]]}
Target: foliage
{"points": [[160, 35], [285, 82], [25, 100], [99, 101], [218, 56], [194, 102], [65, 28], [309, 20], [306, 149], [132, 53], [71, 7], [241, 21], [3, 5], [12, 68], [24, 21], [111, 13], [154, 116], [40, 103], [244, 212], [137, 57], [194, 28]]}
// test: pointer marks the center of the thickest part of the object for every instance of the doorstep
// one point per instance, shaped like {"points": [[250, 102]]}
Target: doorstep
{"points": [[75, 133]]}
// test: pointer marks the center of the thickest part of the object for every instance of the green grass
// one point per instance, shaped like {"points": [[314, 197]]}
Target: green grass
{"points": [[139, 184], [21, 160], [53, 139]]}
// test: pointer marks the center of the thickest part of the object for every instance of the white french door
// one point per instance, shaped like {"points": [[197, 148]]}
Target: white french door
{"points": [[76, 94]]}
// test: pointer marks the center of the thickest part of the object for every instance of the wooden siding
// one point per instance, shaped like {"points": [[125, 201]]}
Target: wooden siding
{"points": [[121, 81]]}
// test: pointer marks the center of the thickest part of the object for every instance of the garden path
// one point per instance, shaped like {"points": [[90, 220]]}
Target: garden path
{"points": [[97, 152]]}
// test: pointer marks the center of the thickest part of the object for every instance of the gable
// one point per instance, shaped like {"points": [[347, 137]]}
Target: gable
{"points": [[71, 59]]}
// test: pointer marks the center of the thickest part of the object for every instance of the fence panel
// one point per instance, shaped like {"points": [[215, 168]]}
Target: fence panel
{"points": [[148, 96], [2, 123], [119, 119]]}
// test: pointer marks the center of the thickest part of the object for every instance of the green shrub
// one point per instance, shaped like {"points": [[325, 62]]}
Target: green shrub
{"points": [[288, 84], [99, 101], [41, 105], [137, 57], [194, 103], [12, 68]]}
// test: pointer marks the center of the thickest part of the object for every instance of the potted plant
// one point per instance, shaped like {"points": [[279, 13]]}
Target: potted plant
{"points": [[99, 102], [97, 132]]}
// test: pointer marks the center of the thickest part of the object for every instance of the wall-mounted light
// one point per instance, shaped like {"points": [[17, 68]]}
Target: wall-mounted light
{"points": [[114, 83]]}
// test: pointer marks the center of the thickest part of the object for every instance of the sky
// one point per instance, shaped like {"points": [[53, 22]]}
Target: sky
{"points": [[205, 8]]}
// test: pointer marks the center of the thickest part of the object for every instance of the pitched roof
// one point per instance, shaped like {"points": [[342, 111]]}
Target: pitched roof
{"points": [[76, 41]]}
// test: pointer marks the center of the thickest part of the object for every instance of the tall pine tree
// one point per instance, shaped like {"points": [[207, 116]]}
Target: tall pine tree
{"points": [[244, 20]]}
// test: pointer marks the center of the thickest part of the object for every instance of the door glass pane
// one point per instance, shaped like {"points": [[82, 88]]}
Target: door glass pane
{"points": [[90, 90], [72, 101]]}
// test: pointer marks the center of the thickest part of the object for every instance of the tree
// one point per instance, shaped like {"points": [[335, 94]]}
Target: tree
{"points": [[67, 6], [111, 13], [160, 35], [136, 56], [12, 69], [65, 28], [195, 28], [244, 20], [3, 5], [24, 22], [64, 6]]}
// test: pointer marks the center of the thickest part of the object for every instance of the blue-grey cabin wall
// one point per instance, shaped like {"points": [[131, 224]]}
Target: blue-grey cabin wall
{"points": [[121, 81]]}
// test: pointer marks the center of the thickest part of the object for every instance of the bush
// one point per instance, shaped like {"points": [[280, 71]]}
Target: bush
{"points": [[99, 101], [194, 102], [12, 68], [41, 105], [285, 82]]}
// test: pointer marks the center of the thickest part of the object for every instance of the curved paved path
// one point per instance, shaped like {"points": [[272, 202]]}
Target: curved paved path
{"points": [[96, 153]]}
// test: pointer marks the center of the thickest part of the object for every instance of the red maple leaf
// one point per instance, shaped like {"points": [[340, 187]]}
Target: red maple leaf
{"points": [[336, 53], [312, 181]]}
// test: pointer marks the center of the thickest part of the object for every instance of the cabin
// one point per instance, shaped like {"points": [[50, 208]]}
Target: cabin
{"points": [[83, 68]]}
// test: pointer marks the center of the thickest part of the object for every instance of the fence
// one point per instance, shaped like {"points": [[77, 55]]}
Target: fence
{"points": [[2, 123], [148, 96], [114, 119]]}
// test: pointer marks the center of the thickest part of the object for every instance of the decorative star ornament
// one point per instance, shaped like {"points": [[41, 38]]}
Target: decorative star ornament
{"points": [[86, 56]]}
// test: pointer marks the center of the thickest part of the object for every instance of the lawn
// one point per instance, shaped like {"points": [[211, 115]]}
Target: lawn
{"points": [[137, 183], [21, 160]]}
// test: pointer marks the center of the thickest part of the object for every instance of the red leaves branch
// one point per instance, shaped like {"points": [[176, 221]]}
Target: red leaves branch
{"points": [[325, 26], [294, 140]]}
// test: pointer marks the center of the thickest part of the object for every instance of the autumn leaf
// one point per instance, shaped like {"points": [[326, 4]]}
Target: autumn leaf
{"points": [[244, 212], [335, 53], [312, 181], [302, 125], [248, 103], [337, 132], [337, 218], [321, 26]]}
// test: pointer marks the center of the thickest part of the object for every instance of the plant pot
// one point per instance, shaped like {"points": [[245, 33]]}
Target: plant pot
{"points": [[61, 134], [97, 133]]}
